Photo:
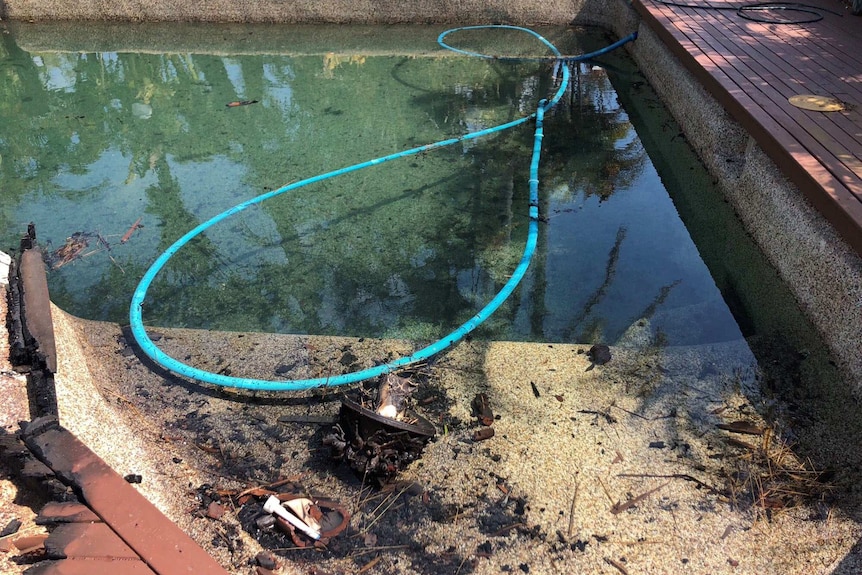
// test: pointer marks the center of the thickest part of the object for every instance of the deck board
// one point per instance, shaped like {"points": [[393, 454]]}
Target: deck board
{"points": [[752, 69], [822, 136]]}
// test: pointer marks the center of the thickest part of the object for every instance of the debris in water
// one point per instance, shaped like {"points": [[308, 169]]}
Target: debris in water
{"points": [[72, 249], [599, 354], [135, 226], [240, 103]]}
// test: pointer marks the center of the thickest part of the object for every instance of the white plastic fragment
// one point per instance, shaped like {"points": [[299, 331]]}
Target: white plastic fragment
{"points": [[301, 507], [273, 505], [5, 262]]}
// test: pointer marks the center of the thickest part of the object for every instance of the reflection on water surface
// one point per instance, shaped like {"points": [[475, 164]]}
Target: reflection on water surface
{"points": [[130, 150]]}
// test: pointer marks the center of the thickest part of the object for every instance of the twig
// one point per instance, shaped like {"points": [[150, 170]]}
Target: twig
{"points": [[572, 510], [610, 418], [684, 476], [380, 548], [370, 564], [144, 420], [632, 413], [278, 483], [616, 564], [382, 513], [502, 530], [460, 565], [605, 489], [618, 507], [131, 230]]}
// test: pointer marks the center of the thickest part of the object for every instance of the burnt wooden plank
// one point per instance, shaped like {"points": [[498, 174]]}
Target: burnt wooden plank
{"points": [[65, 512], [86, 540], [37, 305], [114, 566], [160, 543]]}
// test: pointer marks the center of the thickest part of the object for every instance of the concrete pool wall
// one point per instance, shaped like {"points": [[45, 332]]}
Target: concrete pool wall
{"points": [[821, 269]]}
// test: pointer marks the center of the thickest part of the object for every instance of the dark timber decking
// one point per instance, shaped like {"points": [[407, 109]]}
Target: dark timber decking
{"points": [[752, 69]]}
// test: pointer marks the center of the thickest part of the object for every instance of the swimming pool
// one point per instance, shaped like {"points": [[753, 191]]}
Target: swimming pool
{"points": [[116, 154]]}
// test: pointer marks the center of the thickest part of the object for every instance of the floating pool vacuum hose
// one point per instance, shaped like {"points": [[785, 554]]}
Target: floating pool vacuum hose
{"points": [[138, 298]]}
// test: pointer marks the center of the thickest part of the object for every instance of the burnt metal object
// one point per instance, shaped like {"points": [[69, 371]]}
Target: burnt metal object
{"points": [[482, 409], [376, 446]]}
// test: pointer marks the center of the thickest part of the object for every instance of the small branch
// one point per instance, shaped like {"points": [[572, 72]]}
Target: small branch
{"points": [[618, 507], [617, 565], [572, 511]]}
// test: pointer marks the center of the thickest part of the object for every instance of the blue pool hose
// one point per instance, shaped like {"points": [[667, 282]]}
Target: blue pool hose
{"points": [[150, 349]]}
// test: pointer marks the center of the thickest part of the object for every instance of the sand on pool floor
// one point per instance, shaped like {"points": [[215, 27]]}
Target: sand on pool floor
{"points": [[615, 468]]}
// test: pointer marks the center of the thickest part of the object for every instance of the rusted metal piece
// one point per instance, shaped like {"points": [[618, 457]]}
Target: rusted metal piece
{"points": [[483, 434], [482, 409]]}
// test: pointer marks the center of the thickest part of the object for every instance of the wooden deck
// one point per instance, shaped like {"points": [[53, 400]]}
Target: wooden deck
{"points": [[112, 528], [752, 69]]}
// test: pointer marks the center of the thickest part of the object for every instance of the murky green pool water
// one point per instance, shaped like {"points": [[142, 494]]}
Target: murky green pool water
{"points": [[134, 128]]}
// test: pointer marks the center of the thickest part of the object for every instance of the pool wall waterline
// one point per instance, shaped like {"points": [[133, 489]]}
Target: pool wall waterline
{"points": [[823, 272], [299, 11]]}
